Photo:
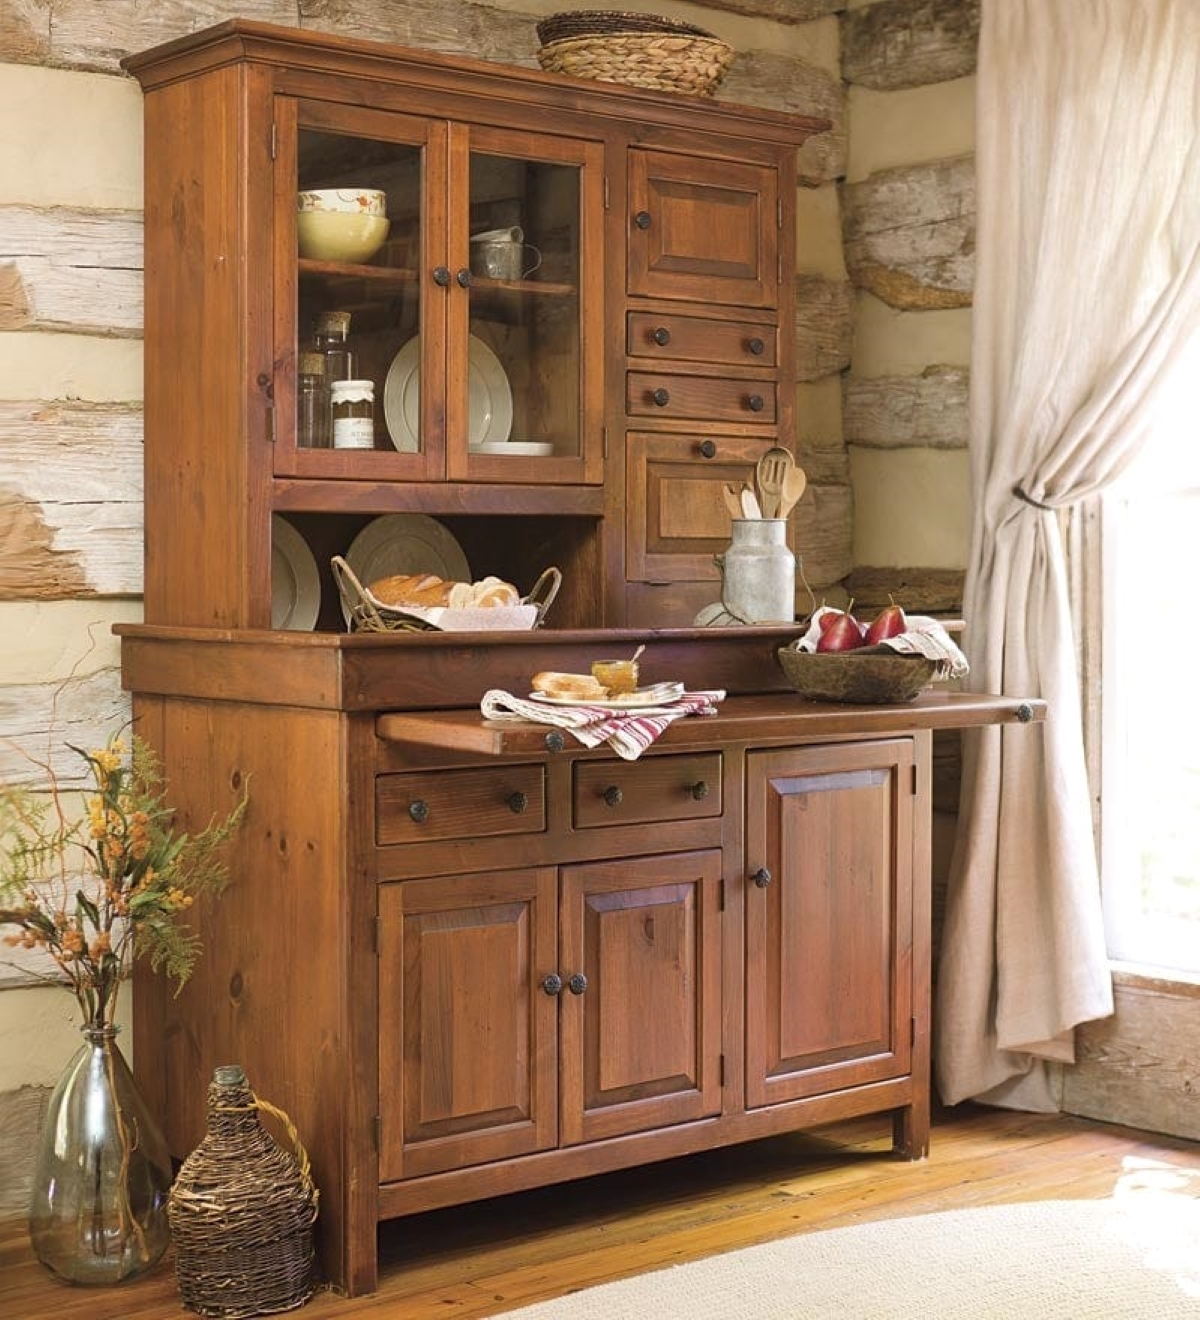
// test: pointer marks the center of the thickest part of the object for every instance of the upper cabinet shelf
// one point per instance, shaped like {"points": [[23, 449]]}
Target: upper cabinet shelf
{"points": [[527, 217]]}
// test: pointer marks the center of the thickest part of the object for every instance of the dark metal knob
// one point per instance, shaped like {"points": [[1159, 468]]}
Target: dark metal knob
{"points": [[441, 276], [699, 790], [708, 449], [755, 403], [577, 984], [555, 741], [757, 347], [1024, 712], [661, 336], [761, 877], [642, 219], [661, 397], [518, 803], [464, 278], [419, 810], [552, 984], [613, 795]]}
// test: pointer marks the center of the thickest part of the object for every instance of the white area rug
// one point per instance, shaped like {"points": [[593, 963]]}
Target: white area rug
{"points": [[1125, 1259]]}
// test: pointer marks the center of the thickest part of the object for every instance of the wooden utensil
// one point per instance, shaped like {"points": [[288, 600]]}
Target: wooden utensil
{"points": [[750, 506], [793, 487], [733, 500], [772, 468]]}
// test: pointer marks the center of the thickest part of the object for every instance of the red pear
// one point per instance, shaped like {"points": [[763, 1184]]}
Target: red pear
{"points": [[889, 622], [844, 633]]}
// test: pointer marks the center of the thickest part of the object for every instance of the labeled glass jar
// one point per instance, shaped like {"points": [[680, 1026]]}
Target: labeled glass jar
{"points": [[313, 416], [353, 414]]}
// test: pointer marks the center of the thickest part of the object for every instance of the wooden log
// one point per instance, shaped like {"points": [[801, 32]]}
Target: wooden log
{"points": [[920, 590], [21, 1114], [824, 329], [893, 412], [910, 43], [1140, 1066], [40, 720], [782, 82], [71, 270], [25, 31], [910, 234], [781, 11], [70, 501], [825, 466], [824, 535]]}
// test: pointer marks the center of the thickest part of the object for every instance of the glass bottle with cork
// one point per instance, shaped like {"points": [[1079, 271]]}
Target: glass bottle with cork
{"points": [[331, 339], [313, 407]]}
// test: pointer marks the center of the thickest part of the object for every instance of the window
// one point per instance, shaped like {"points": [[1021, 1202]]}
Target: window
{"points": [[1150, 730]]}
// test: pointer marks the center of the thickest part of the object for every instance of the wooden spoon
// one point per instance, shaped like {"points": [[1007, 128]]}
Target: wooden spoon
{"points": [[772, 468], [793, 488], [733, 500]]}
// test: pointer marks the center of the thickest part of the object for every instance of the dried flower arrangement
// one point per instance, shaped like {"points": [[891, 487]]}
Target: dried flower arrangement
{"points": [[100, 888]]}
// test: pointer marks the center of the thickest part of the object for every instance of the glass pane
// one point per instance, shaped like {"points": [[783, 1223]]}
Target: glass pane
{"points": [[524, 369], [359, 243]]}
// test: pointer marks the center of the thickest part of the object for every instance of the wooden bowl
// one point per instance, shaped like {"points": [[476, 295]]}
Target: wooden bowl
{"points": [[864, 677]]}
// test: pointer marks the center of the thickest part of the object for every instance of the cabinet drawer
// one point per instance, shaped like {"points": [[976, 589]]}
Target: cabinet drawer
{"points": [[660, 788], [695, 339], [711, 398], [460, 804]]}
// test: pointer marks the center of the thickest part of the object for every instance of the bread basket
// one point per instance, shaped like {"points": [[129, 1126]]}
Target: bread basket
{"points": [[363, 612], [869, 676], [664, 59]]}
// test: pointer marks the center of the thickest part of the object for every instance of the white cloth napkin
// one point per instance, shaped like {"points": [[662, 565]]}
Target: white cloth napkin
{"points": [[925, 636], [627, 732]]}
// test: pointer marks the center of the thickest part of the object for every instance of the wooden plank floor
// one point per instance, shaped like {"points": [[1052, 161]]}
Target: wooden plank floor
{"points": [[478, 1261]]}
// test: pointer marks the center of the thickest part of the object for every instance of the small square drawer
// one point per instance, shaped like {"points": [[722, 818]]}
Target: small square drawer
{"points": [[660, 788], [460, 804]]}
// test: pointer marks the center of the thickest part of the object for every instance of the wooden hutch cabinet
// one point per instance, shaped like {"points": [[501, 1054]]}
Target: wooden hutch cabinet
{"points": [[470, 956]]}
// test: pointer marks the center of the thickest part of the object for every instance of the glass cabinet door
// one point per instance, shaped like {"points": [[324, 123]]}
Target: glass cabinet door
{"points": [[525, 224], [359, 187], [443, 275]]}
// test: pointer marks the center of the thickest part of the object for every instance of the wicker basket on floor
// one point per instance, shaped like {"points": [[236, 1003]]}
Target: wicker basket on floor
{"points": [[661, 61], [241, 1211]]}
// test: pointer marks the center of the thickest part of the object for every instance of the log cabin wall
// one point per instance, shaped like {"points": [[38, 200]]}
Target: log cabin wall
{"points": [[71, 363]]}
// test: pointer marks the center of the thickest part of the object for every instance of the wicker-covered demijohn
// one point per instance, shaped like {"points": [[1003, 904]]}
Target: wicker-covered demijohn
{"points": [[241, 1211]]}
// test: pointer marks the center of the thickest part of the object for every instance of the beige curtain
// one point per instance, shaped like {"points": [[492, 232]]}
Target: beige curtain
{"points": [[1087, 286]]}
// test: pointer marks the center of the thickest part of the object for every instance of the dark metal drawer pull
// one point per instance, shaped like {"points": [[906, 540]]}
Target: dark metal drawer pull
{"points": [[761, 877], [757, 347], [661, 336], [613, 795], [699, 790], [464, 278], [552, 984], [419, 810], [708, 449], [661, 397], [755, 403], [441, 276], [518, 803], [577, 984], [642, 219]]}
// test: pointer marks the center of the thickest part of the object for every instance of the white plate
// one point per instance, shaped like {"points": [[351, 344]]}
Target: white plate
{"points": [[489, 397], [640, 699], [406, 543], [295, 581], [514, 448]]}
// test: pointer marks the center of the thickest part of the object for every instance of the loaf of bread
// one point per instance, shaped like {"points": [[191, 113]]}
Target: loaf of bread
{"points": [[575, 687], [426, 590]]}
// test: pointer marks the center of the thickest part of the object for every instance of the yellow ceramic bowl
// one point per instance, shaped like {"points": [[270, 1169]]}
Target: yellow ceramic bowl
{"points": [[340, 235]]}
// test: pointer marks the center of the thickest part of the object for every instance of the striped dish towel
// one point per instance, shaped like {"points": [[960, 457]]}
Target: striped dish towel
{"points": [[627, 732]]}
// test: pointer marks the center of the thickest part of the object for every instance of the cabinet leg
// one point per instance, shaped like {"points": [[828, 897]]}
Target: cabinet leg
{"points": [[910, 1131]]}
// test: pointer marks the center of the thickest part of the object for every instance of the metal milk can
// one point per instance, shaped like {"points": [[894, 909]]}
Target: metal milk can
{"points": [[759, 572]]}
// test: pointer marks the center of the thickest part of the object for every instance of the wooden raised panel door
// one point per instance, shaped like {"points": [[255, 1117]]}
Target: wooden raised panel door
{"points": [[640, 1046], [467, 1067], [702, 229], [829, 934]]}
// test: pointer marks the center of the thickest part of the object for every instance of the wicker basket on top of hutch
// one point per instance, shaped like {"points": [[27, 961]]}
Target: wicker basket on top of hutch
{"points": [[469, 958]]}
